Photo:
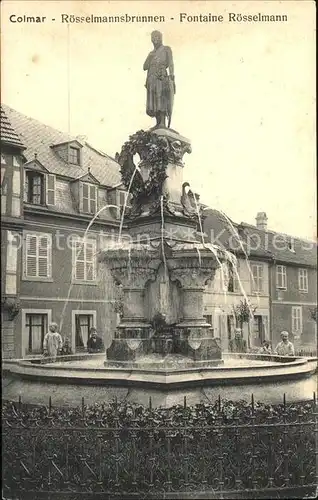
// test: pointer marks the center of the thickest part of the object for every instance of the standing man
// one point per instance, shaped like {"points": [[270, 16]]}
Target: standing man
{"points": [[285, 347], [159, 84], [53, 342], [238, 344]]}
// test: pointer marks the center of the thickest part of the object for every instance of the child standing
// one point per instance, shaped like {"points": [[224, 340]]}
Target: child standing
{"points": [[53, 342]]}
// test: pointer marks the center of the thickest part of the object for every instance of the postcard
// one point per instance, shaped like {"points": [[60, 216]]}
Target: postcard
{"points": [[159, 252]]}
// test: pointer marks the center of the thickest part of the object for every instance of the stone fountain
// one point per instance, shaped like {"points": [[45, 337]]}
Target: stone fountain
{"points": [[164, 265]]}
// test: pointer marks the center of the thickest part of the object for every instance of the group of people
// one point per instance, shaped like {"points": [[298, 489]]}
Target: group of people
{"points": [[283, 348], [53, 344]]}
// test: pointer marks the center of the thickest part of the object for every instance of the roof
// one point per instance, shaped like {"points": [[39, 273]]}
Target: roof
{"points": [[285, 248], [40, 138], [8, 134], [221, 230], [258, 243]]}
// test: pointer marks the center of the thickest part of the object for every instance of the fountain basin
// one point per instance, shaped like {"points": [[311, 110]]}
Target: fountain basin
{"points": [[74, 377]]}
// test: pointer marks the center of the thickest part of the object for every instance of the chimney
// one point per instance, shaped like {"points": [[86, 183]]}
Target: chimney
{"points": [[261, 221]]}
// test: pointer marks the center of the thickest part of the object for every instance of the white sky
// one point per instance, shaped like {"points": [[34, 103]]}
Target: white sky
{"points": [[245, 94]]}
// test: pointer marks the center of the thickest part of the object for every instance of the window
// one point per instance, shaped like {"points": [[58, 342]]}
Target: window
{"points": [[36, 327], [257, 278], [281, 277], [39, 188], [297, 320], [233, 283], [38, 256], [89, 198], [257, 331], [83, 323], [34, 188], [84, 260], [74, 156], [303, 280]]}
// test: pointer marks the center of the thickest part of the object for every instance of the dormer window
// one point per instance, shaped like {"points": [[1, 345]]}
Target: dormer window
{"points": [[88, 198], [39, 188], [34, 188], [70, 152], [291, 246], [74, 155]]}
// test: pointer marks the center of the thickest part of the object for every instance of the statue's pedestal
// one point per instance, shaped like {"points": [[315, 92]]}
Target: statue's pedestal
{"points": [[178, 146], [175, 146]]}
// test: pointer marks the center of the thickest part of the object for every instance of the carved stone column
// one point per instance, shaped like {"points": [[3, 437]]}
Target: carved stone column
{"points": [[133, 279], [131, 337], [193, 282], [133, 305], [193, 305], [193, 335]]}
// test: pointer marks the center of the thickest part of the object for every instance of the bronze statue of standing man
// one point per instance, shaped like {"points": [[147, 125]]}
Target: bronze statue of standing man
{"points": [[160, 84]]}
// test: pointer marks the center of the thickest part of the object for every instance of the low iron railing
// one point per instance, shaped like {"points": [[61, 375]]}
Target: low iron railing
{"points": [[129, 451]]}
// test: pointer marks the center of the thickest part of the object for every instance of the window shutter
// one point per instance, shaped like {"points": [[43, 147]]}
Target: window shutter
{"points": [[254, 278], [26, 187], [90, 261], [44, 249], [261, 280], [92, 199], [122, 198], [80, 270], [50, 189], [78, 260], [85, 198], [31, 256]]}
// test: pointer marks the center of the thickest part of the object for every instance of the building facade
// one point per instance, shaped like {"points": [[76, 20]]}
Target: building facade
{"points": [[294, 296], [12, 226], [293, 284], [247, 284], [65, 182], [224, 299], [278, 275]]}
